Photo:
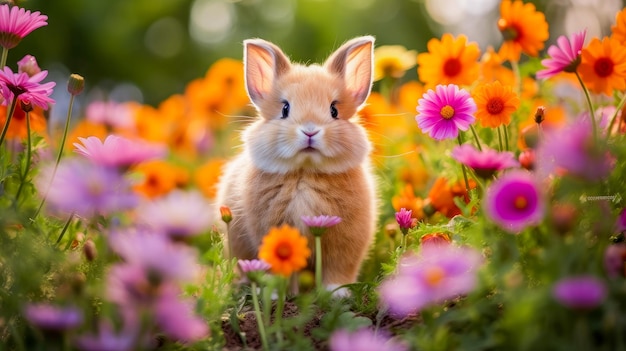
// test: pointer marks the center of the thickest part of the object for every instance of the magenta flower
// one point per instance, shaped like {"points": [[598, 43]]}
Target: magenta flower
{"points": [[176, 318], [117, 151], [53, 318], [436, 274], [514, 201], [571, 150], [580, 292], [110, 113], [363, 339], [404, 219], [25, 88], [486, 162], [445, 111], [564, 57], [130, 285], [28, 64], [319, 224], [85, 189], [178, 214], [620, 224], [16, 23], [615, 260], [107, 339]]}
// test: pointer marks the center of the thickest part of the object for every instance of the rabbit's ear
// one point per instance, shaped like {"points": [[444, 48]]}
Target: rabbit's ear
{"points": [[264, 63], [354, 62]]}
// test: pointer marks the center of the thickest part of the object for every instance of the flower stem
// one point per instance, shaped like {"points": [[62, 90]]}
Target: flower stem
{"points": [[259, 317], [28, 158], [9, 117], [617, 111], [506, 137], [500, 139], [318, 262], [518, 77], [467, 187], [59, 155], [592, 112], [3, 60], [280, 306], [65, 227], [480, 148]]}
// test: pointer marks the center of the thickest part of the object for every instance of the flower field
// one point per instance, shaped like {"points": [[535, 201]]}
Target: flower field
{"points": [[500, 213]]}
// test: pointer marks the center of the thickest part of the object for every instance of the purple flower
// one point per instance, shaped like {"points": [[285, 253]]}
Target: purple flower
{"points": [[16, 23], [442, 113], [486, 162], [514, 201], [53, 318], [620, 224], [110, 113], [28, 64], [107, 339], [404, 219], [571, 149], [247, 266], [178, 214], [363, 339], [564, 57], [176, 318], [25, 88], [580, 292], [85, 189], [156, 254], [319, 224], [436, 274], [615, 260], [117, 151], [130, 285]]}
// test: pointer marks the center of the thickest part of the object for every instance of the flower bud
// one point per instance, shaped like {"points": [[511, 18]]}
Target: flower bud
{"points": [[76, 84], [26, 106], [564, 217], [540, 114], [227, 215], [437, 239], [28, 65], [527, 159], [90, 251]]}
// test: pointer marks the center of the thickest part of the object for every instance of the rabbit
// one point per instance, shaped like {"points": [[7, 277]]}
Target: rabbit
{"points": [[305, 154]]}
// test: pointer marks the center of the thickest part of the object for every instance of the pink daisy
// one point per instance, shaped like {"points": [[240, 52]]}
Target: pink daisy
{"points": [[25, 88], [110, 113], [486, 162], [319, 224], [403, 217], [564, 57], [445, 111], [117, 151], [16, 23], [364, 339], [580, 292]]}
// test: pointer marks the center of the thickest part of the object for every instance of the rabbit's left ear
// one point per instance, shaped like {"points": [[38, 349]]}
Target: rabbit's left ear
{"points": [[354, 62], [264, 63]]}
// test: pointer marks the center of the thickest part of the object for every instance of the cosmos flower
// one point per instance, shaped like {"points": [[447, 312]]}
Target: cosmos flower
{"points": [[449, 61], [444, 111], [564, 56], [53, 318], [523, 28], [392, 61], [363, 339], [580, 292], [514, 201], [117, 151], [486, 162], [318, 224], [178, 214], [85, 189], [175, 317], [435, 274], [285, 250], [603, 66], [495, 103], [25, 88], [16, 23]]}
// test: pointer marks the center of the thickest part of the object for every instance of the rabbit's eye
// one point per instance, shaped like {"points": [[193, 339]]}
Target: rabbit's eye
{"points": [[285, 109], [333, 110]]}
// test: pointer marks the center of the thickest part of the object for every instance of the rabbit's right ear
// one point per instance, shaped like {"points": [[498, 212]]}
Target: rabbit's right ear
{"points": [[264, 62]]}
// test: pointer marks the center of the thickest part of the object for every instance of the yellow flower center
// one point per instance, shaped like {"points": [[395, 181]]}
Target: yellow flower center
{"points": [[520, 202], [447, 112], [434, 275], [283, 251]]}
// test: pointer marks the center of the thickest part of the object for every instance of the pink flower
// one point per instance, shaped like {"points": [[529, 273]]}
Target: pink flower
{"points": [[564, 57], [445, 111], [247, 266], [16, 23], [28, 64], [50, 317], [108, 339], [175, 317], [436, 274], [319, 224], [363, 339], [25, 88], [117, 151], [486, 162], [615, 260], [403, 217], [114, 114], [580, 292]]}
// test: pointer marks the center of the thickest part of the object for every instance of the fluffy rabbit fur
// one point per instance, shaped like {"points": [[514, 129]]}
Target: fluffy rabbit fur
{"points": [[305, 155]]}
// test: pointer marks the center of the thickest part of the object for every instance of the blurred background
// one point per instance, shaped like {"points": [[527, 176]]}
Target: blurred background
{"points": [[147, 50]]}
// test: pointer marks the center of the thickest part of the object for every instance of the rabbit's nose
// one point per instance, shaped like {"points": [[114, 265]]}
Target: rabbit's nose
{"points": [[310, 133]]}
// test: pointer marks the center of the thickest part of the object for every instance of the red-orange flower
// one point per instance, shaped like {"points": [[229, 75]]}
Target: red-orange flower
{"points": [[496, 103], [603, 66], [619, 28], [285, 250], [524, 29], [449, 61]]}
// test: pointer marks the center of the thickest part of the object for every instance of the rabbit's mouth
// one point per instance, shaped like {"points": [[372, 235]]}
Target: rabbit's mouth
{"points": [[309, 149]]}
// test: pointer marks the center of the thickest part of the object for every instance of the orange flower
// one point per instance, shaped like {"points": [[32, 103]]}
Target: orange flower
{"points": [[159, 178], [207, 176], [496, 103], [406, 199], [392, 61], [524, 29], [449, 61], [285, 250], [442, 196], [17, 128], [619, 29], [492, 68], [603, 66], [408, 94]]}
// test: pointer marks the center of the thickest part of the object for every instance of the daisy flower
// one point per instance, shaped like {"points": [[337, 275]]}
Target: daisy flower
{"points": [[392, 61], [618, 30], [176, 318], [285, 250], [25, 88], [16, 23], [603, 66], [486, 162], [449, 61], [580, 292], [444, 111], [319, 224], [523, 28], [495, 104], [404, 219], [110, 113], [514, 202], [564, 57], [364, 339], [117, 151]]}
